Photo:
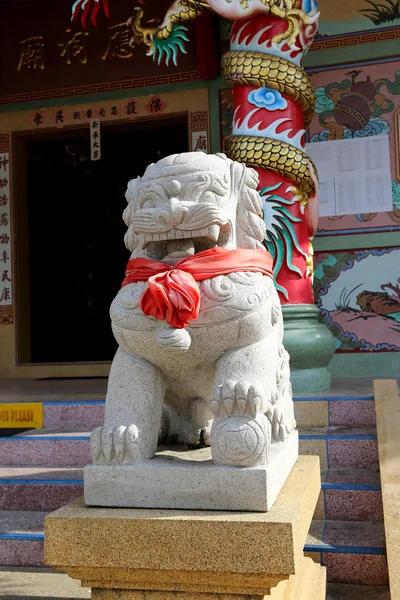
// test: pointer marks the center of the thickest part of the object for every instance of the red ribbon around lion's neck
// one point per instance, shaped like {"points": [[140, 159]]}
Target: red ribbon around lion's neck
{"points": [[173, 294]]}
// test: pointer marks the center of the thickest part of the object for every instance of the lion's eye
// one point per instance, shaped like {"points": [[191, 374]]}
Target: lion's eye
{"points": [[209, 197], [148, 203]]}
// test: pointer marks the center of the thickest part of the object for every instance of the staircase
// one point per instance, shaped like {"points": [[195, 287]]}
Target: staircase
{"points": [[347, 534], [43, 470]]}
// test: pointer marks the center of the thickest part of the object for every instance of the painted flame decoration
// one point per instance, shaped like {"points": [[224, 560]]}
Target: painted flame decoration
{"points": [[89, 7], [242, 127]]}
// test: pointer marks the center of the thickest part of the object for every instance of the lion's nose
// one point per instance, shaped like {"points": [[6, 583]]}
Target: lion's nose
{"points": [[175, 215]]}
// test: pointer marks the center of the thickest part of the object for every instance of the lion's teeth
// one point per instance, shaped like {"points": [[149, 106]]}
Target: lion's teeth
{"points": [[177, 234], [213, 231], [171, 234]]}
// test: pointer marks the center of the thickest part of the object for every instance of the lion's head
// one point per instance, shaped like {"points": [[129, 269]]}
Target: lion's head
{"points": [[190, 202]]}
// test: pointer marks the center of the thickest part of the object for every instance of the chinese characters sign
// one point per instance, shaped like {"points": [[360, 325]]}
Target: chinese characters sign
{"points": [[5, 231], [127, 109], [199, 128], [95, 140], [200, 141], [45, 51]]}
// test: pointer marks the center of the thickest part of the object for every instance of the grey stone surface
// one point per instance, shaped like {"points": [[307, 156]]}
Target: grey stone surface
{"points": [[33, 583], [179, 479]]}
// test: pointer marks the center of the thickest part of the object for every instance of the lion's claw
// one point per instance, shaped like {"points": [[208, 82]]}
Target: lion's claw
{"points": [[234, 399], [118, 445]]}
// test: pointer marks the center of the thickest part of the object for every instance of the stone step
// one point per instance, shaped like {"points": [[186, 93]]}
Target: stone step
{"points": [[318, 411], [21, 538], [335, 411], [346, 495], [46, 448], [34, 583], [343, 591], [337, 447], [341, 447], [358, 411], [73, 414], [79, 403], [350, 495], [39, 488], [352, 551], [55, 389]]}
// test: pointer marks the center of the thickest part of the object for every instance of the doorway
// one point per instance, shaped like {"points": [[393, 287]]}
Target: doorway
{"points": [[73, 261]]}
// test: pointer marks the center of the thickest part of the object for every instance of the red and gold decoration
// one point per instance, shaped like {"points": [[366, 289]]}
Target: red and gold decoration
{"points": [[274, 103]]}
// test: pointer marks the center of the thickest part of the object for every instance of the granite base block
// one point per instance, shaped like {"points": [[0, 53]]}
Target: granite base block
{"points": [[308, 584], [192, 555], [189, 480]]}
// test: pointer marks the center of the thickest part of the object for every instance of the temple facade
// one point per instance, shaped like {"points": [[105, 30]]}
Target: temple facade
{"points": [[90, 96]]}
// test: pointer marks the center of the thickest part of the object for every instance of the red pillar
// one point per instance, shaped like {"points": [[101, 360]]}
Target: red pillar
{"points": [[274, 103]]}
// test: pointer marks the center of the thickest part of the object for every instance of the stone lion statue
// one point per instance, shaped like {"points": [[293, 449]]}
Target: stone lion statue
{"points": [[223, 376]]}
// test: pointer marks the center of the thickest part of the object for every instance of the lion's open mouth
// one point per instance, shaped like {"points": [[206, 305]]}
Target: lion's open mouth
{"points": [[176, 244]]}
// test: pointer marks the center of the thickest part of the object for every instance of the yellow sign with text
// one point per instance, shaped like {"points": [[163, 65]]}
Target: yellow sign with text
{"points": [[27, 415]]}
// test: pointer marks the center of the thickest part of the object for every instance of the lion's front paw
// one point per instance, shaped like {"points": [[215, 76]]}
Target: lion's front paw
{"points": [[236, 399], [118, 445], [241, 433], [281, 427]]}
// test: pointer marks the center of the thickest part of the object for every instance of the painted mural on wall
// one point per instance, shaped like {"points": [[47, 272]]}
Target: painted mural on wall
{"points": [[348, 20], [348, 16], [358, 292], [360, 101]]}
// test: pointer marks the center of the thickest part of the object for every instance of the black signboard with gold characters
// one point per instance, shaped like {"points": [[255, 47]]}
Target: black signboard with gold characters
{"points": [[42, 50]]}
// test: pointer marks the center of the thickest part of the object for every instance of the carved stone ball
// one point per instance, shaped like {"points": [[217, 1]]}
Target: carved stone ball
{"points": [[239, 441]]}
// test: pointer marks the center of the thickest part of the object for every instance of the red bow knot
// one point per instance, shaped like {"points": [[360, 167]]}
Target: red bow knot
{"points": [[173, 293]]}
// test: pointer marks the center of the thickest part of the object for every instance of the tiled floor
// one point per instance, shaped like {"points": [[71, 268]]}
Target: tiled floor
{"points": [[12, 390], [86, 388], [17, 584]]}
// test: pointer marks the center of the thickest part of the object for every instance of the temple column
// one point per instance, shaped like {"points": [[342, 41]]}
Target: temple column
{"points": [[274, 104]]}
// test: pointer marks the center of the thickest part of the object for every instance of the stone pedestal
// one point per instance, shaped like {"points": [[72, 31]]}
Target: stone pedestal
{"points": [[311, 347], [188, 479], [132, 554]]}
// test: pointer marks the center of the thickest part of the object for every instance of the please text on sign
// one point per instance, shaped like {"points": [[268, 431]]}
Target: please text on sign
{"points": [[21, 415]]}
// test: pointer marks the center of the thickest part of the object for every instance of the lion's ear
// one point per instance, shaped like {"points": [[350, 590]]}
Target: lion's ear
{"points": [[131, 192], [250, 226], [131, 196]]}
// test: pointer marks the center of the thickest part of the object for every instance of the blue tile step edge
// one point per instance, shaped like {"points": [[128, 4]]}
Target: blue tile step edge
{"points": [[309, 548], [333, 479], [350, 537], [313, 433], [367, 398], [367, 480], [337, 433], [39, 537], [346, 537], [323, 398], [101, 402]]}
